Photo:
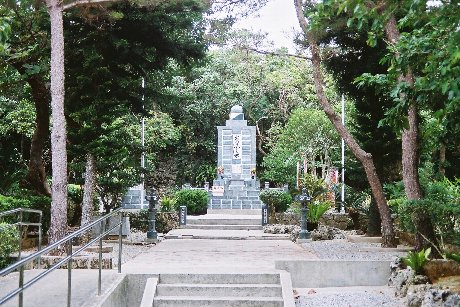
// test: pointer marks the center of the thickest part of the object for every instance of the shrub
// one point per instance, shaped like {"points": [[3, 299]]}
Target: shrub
{"points": [[165, 221], [139, 220], [441, 204], [316, 187], [167, 204], [28, 201], [278, 200], [453, 256], [316, 211], [9, 242], [196, 201], [417, 260]]}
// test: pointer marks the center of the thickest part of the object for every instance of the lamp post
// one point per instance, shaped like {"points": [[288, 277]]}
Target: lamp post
{"points": [[304, 199], [152, 198]]}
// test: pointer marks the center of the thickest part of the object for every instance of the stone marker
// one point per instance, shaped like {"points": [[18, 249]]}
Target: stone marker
{"points": [[236, 186]]}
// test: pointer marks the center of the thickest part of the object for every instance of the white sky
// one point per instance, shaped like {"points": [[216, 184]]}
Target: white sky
{"points": [[278, 19]]}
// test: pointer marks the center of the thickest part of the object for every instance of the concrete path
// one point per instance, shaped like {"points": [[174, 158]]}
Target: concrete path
{"points": [[52, 289], [194, 255]]}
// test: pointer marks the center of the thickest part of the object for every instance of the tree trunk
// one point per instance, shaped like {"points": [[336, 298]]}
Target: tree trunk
{"points": [[388, 234], [88, 194], [58, 132], [442, 158], [36, 175], [410, 154]]}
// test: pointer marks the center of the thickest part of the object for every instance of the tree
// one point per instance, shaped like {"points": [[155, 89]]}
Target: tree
{"points": [[269, 87], [58, 130], [365, 158], [26, 54], [308, 135]]}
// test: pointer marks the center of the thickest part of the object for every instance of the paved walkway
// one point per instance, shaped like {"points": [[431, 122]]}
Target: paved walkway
{"points": [[168, 256], [191, 255]]}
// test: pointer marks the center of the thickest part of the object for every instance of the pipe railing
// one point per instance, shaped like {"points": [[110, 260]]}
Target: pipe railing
{"points": [[67, 243], [21, 223]]}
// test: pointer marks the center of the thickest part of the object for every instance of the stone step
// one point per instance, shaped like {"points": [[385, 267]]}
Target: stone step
{"points": [[220, 278], [221, 221], [221, 290], [199, 301], [223, 227], [235, 211]]}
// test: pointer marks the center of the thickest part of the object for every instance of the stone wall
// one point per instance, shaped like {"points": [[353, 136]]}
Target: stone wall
{"points": [[336, 220], [78, 262], [287, 218]]}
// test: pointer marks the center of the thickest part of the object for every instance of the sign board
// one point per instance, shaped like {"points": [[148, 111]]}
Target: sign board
{"points": [[218, 190], [264, 215], [182, 215]]}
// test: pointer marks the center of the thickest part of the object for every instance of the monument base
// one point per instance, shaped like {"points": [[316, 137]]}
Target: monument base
{"points": [[235, 194]]}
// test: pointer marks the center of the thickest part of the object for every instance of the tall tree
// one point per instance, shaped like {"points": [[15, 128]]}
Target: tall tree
{"points": [[26, 52], [365, 158]]}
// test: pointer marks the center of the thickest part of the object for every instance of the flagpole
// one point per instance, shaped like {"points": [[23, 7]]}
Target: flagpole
{"points": [[342, 196], [143, 143]]}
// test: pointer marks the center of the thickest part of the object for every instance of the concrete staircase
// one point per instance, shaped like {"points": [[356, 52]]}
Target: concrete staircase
{"points": [[219, 290], [224, 222]]}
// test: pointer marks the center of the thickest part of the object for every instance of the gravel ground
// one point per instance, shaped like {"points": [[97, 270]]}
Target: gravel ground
{"points": [[133, 245], [349, 297], [352, 296], [344, 250]]}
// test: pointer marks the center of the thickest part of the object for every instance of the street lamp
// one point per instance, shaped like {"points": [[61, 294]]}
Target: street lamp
{"points": [[304, 199], [152, 198]]}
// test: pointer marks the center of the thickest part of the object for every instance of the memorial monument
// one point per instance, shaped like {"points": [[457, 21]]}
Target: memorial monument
{"points": [[236, 186]]}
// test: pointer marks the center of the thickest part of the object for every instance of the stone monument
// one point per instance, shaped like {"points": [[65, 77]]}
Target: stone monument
{"points": [[236, 186]]}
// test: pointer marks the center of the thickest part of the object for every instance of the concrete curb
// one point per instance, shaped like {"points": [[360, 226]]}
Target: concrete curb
{"points": [[340, 273], [149, 292], [112, 294], [182, 237], [286, 287]]}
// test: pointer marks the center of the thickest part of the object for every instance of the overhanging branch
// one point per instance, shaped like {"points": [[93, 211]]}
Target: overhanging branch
{"points": [[277, 53], [83, 2]]}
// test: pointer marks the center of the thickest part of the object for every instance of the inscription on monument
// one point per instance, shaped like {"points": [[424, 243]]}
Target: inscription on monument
{"points": [[237, 149]]}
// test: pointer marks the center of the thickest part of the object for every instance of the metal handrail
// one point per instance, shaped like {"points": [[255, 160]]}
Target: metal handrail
{"points": [[66, 241], [22, 223]]}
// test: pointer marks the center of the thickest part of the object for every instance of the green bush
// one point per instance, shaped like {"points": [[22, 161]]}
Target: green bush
{"points": [[167, 204], [165, 221], [9, 243], [316, 187], [139, 220], [28, 201], [276, 199], [196, 201], [441, 204]]}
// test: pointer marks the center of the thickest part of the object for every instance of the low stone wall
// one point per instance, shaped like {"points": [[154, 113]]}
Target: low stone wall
{"points": [[78, 262], [287, 218], [336, 220]]}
